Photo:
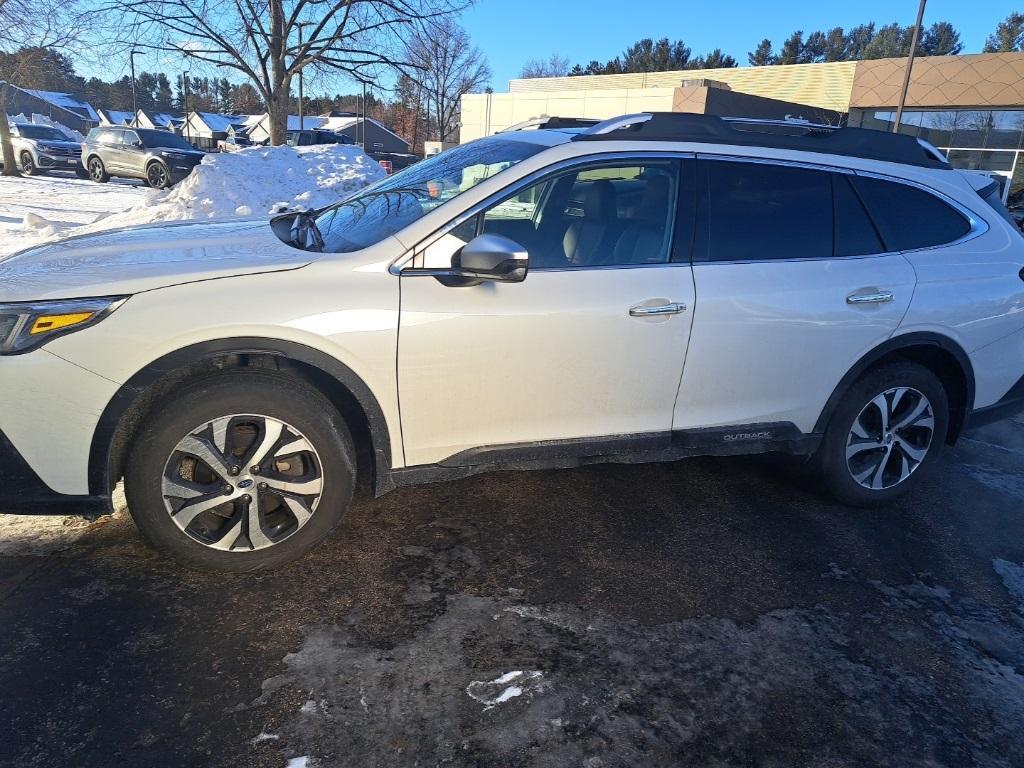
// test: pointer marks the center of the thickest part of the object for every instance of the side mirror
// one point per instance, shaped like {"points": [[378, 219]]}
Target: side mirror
{"points": [[491, 257]]}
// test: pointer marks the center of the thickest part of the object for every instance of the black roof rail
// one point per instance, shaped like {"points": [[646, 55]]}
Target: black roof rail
{"points": [[776, 134], [539, 123]]}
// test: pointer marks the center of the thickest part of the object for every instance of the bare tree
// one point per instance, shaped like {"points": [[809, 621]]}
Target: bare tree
{"points": [[553, 66], [271, 41], [446, 66], [27, 29]]}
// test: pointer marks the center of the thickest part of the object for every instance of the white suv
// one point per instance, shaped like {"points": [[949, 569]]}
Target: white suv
{"points": [[646, 289]]}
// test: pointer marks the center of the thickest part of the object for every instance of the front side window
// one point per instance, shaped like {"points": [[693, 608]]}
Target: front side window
{"points": [[598, 216], [760, 211], [396, 201], [908, 217]]}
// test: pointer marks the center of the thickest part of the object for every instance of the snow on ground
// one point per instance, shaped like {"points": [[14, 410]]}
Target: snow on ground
{"points": [[253, 182]]}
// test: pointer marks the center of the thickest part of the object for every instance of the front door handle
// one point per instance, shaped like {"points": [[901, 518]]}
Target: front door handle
{"points": [[674, 308], [878, 297]]}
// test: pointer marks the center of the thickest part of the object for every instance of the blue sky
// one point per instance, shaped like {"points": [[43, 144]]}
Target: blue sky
{"points": [[510, 33]]}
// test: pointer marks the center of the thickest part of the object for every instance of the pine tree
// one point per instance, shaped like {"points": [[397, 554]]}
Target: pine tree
{"points": [[1008, 37]]}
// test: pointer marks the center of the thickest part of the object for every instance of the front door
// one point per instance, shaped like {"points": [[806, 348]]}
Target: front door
{"points": [[591, 345]]}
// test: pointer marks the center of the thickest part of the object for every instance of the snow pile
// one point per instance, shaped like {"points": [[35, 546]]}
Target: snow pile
{"points": [[255, 182], [71, 133]]}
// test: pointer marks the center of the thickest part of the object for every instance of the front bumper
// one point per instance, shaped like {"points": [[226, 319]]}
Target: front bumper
{"points": [[22, 492], [62, 162]]}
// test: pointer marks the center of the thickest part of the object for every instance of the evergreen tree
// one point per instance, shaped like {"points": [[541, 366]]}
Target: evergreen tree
{"points": [[763, 55], [1008, 37]]}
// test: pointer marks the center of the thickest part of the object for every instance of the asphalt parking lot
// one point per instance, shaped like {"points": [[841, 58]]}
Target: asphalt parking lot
{"points": [[711, 612]]}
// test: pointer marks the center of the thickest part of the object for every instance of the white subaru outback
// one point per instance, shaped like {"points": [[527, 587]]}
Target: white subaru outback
{"points": [[645, 289]]}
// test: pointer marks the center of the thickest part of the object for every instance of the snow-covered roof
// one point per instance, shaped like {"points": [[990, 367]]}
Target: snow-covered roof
{"points": [[65, 101], [217, 122], [115, 117], [161, 118]]}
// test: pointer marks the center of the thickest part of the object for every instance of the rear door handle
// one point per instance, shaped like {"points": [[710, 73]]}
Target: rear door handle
{"points": [[673, 308], [879, 297]]}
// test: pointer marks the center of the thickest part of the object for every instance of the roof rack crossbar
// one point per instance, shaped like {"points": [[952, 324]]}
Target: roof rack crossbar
{"points": [[800, 136]]}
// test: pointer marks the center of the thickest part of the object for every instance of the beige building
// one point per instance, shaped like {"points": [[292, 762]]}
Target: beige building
{"points": [[971, 107]]}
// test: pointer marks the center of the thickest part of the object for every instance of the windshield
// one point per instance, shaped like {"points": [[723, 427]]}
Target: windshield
{"points": [[41, 132], [395, 202], [152, 138]]}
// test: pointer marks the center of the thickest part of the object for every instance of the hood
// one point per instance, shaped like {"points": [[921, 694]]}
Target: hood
{"points": [[127, 261]]}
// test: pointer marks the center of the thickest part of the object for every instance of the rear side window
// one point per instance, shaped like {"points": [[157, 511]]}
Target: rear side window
{"points": [[855, 234], [908, 217], [759, 211]]}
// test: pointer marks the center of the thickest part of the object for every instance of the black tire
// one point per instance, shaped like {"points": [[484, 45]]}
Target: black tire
{"points": [[27, 165], [241, 392], [831, 457], [97, 170], [80, 172], [158, 175]]}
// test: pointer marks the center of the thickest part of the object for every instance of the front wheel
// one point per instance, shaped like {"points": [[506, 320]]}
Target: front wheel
{"points": [[28, 164], [245, 471], [882, 438], [158, 176]]}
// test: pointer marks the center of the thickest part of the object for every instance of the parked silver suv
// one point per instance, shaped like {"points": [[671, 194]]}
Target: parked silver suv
{"points": [[42, 148], [160, 158]]}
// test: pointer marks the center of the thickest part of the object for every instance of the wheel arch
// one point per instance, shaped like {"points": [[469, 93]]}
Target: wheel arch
{"points": [[940, 354], [135, 400]]}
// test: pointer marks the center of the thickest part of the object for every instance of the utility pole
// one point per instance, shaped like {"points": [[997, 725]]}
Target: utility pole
{"points": [[362, 125], [910, 66], [135, 101], [302, 122], [184, 83]]}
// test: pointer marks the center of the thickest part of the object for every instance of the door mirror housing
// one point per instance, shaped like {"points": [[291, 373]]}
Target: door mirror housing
{"points": [[491, 257]]}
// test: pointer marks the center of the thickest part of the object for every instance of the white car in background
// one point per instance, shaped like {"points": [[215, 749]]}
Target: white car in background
{"points": [[41, 148], [649, 288]]}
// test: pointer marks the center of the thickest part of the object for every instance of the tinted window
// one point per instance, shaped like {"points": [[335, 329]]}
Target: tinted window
{"points": [[908, 217], [855, 234], [164, 139], [763, 211], [40, 132]]}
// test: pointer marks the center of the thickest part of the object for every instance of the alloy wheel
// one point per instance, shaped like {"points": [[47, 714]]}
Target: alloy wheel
{"points": [[156, 174], [242, 482], [890, 438], [28, 166], [96, 169]]}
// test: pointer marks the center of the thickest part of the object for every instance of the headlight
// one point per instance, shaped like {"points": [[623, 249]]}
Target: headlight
{"points": [[29, 325]]}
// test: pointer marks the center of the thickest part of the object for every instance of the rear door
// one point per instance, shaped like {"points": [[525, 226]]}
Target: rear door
{"points": [[793, 286]]}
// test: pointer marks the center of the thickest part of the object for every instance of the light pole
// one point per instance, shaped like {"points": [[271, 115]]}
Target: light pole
{"points": [[302, 123], [135, 102], [362, 124], [184, 85], [910, 66]]}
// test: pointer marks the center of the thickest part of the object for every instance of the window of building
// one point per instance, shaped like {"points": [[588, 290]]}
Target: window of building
{"points": [[760, 211], [908, 217]]}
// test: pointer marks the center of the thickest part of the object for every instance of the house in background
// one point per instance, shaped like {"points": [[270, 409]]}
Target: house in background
{"points": [[62, 108], [372, 135], [258, 126], [207, 129], [159, 120], [114, 116]]}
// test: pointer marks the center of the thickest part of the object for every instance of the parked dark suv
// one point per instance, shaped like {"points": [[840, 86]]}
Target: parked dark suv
{"points": [[312, 137], [160, 158]]}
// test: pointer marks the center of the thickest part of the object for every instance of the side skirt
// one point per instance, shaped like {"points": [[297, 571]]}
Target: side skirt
{"points": [[641, 448]]}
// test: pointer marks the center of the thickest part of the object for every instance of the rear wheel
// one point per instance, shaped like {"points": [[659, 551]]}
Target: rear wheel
{"points": [[28, 164], [884, 435], [244, 471], [97, 171]]}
